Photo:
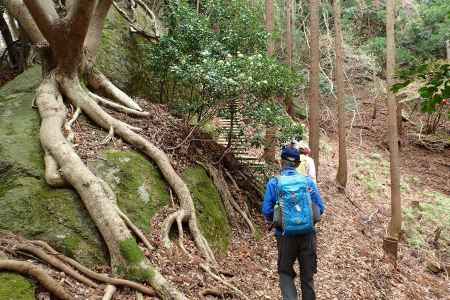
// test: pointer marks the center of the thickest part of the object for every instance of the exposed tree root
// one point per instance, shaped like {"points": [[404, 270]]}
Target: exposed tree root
{"points": [[211, 292], [206, 268], [109, 292], [79, 97], [136, 230], [52, 175], [118, 107], [109, 137], [222, 186], [68, 126], [94, 275], [28, 269], [97, 196], [177, 217], [56, 263], [99, 82]]}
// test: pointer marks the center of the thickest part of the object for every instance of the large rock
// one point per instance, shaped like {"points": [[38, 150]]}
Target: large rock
{"points": [[31, 208]]}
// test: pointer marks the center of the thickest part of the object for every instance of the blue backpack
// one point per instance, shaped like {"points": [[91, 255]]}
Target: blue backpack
{"points": [[293, 211]]}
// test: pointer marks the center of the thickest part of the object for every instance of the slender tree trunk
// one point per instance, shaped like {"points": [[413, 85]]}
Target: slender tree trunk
{"points": [[341, 177], [314, 88], [270, 136], [289, 50], [391, 241], [269, 27]]}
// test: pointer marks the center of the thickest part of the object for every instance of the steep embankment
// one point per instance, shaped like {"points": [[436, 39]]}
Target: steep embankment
{"points": [[31, 208]]}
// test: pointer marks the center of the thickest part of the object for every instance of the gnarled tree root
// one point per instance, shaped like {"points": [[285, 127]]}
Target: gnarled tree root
{"points": [[29, 269], [94, 275], [80, 98], [206, 268], [97, 196], [177, 217], [101, 83], [56, 263]]}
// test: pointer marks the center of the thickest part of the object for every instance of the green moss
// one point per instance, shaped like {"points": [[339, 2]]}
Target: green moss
{"points": [[28, 206], [131, 251], [211, 213], [139, 186], [15, 287], [134, 269]]}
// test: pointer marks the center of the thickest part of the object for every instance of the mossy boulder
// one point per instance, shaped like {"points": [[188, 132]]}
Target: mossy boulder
{"points": [[211, 212], [16, 287], [139, 186], [28, 205]]}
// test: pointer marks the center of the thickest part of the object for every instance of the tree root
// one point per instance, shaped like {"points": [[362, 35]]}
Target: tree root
{"points": [[99, 82], [94, 275], [179, 216], [109, 292], [109, 137], [68, 126], [228, 199], [206, 268], [211, 292], [118, 107], [52, 175], [78, 96], [223, 189], [28, 269], [136, 230], [56, 263]]}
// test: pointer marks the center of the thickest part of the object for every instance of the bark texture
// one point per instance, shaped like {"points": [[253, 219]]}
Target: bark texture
{"points": [[314, 77], [341, 177], [396, 215]]}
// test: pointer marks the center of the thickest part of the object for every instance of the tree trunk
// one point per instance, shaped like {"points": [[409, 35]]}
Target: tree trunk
{"points": [[7, 37], [396, 216], [314, 88], [341, 177], [67, 53], [289, 51], [448, 50], [270, 136], [269, 26]]}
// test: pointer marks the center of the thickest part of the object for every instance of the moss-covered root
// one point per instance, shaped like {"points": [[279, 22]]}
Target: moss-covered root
{"points": [[29, 269], [139, 269]]}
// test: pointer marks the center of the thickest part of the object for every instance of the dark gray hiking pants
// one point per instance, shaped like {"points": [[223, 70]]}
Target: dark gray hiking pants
{"points": [[303, 249]]}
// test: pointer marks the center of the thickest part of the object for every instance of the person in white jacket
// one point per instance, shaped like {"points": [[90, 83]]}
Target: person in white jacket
{"points": [[307, 166]]}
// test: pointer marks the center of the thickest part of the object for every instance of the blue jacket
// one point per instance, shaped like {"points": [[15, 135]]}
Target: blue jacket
{"points": [[270, 197]]}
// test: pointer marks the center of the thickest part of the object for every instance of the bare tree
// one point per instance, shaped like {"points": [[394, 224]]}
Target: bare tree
{"points": [[393, 233], [341, 177], [68, 45], [314, 88]]}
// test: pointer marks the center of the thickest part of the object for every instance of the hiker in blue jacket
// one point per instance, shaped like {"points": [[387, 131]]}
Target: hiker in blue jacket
{"points": [[293, 246]]}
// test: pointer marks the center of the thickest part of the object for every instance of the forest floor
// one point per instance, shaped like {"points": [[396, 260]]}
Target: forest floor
{"points": [[351, 264]]}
